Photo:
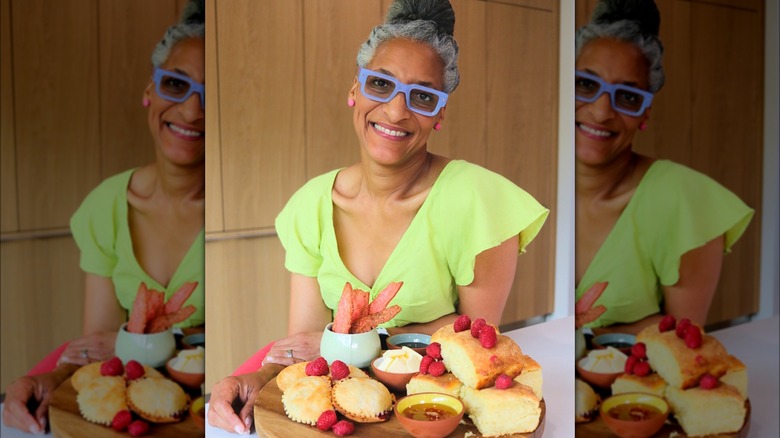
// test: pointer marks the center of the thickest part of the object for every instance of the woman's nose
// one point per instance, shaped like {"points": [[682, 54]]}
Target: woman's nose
{"points": [[601, 108], [396, 108], [192, 108]]}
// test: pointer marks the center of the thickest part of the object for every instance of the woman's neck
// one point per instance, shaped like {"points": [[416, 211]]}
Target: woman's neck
{"points": [[396, 182], [606, 181], [179, 182]]}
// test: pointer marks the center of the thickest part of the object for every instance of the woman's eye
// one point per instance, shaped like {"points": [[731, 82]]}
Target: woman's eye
{"points": [[423, 96], [586, 84], [174, 83], [380, 83], [629, 96]]}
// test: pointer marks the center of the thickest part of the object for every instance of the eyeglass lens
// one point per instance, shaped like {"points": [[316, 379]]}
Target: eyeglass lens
{"points": [[177, 88], [623, 97], [418, 98]]}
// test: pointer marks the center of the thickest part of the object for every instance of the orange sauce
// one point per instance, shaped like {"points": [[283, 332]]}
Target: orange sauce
{"points": [[633, 412], [429, 412]]}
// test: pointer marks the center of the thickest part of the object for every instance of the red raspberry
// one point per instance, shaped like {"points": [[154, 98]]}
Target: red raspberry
{"points": [[138, 428], [112, 367], [317, 367], [121, 420], [682, 327], [488, 337], [639, 350], [476, 327], [327, 420], [134, 370], [339, 370], [503, 382], [425, 364], [693, 337], [462, 323], [666, 324], [437, 369], [630, 363], [642, 368], [708, 381], [434, 350], [343, 428]]}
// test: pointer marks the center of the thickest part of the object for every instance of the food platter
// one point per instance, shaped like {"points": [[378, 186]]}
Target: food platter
{"points": [[67, 422], [272, 422]]}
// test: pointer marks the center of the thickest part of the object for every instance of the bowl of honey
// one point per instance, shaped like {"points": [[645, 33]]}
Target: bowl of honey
{"points": [[429, 414], [634, 415], [416, 341]]}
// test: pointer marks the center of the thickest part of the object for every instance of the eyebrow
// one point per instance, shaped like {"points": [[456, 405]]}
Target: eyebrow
{"points": [[628, 83], [423, 83]]}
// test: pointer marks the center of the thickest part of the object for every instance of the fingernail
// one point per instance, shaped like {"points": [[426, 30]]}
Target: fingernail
{"points": [[238, 430], [248, 422], [34, 429]]}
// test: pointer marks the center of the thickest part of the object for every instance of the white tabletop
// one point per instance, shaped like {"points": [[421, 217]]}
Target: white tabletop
{"points": [[552, 345]]}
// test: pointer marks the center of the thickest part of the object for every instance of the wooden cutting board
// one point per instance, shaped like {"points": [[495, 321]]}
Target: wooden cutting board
{"points": [[598, 429], [272, 422], [67, 422]]}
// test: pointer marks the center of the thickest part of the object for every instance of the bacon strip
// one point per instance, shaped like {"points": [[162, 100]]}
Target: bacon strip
{"points": [[343, 319], [383, 299], [373, 320], [166, 321], [359, 304], [180, 296]]}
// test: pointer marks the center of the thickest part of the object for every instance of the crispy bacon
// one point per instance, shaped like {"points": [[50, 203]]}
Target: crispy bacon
{"points": [[373, 320], [383, 299]]}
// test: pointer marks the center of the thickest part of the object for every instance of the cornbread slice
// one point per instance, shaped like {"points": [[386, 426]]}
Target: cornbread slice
{"points": [[586, 402], [447, 383], [736, 375], [707, 411], [531, 375], [650, 384], [498, 412]]}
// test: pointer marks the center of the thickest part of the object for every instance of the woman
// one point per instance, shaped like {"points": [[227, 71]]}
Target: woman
{"points": [[655, 231], [144, 225], [450, 230]]}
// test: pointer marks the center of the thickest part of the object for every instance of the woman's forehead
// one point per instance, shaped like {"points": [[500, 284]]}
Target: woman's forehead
{"points": [[188, 58], [409, 61], [614, 61]]}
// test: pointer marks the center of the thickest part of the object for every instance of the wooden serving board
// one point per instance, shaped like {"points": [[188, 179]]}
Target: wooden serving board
{"points": [[598, 429], [272, 422], [67, 422]]}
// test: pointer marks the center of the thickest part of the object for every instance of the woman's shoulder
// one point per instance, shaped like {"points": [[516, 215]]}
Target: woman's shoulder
{"points": [[109, 190]]}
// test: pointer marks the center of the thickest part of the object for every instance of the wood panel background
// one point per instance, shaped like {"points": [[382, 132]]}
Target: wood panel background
{"points": [[280, 118], [73, 75], [709, 115]]}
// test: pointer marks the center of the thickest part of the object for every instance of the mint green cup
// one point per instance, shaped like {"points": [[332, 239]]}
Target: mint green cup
{"points": [[353, 349], [153, 349]]}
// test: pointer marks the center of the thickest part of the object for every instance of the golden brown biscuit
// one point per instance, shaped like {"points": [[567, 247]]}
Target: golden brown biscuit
{"points": [[307, 398], [363, 400], [291, 374], [447, 383], [100, 399], [703, 412], [498, 412], [84, 375], [158, 400], [531, 375]]}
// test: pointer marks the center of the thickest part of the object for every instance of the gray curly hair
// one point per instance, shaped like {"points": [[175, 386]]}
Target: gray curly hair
{"points": [[636, 24], [191, 25], [427, 21]]}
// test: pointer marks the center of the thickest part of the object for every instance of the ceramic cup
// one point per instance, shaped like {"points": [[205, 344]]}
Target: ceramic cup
{"points": [[357, 349], [152, 349]]}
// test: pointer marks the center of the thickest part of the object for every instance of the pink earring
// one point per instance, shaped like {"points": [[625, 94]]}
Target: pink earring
{"points": [[437, 126], [350, 102], [146, 102], [643, 126]]}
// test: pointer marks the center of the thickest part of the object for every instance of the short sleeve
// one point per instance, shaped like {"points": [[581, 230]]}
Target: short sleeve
{"points": [[689, 210], [481, 209], [301, 223]]}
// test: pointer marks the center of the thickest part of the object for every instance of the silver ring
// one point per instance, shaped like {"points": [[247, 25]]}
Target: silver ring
{"points": [[289, 352], [85, 353]]}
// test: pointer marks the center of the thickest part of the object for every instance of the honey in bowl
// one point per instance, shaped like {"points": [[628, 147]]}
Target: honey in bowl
{"points": [[429, 412], [634, 412]]}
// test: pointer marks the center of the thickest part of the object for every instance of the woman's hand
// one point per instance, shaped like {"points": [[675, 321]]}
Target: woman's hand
{"points": [[300, 347], [584, 312], [241, 391], [91, 348], [27, 399]]}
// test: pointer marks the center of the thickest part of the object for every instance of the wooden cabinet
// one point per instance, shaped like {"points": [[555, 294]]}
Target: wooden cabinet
{"points": [[709, 115]]}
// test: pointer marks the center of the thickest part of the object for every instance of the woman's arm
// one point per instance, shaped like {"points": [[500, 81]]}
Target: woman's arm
{"points": [[691, 296]]}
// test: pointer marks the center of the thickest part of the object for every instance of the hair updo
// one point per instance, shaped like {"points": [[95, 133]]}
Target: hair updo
{"points": [[191, 25], [428, 21], [632, 21]]}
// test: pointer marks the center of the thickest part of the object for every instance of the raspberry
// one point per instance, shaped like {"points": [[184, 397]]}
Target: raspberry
{"points": [[682, 327], [425, 364], [134, 370], [112, 367], [121, 420], [434, 350], [437, 369], [339, 370], [317, 367], [693, 337], [503, 382], [476, 326], [343, 428], [708, 381], [642, 368], [639, 350], [327, 420], [630, 362], [138, 428], [462, 323], [488, 337], [666, 324]]}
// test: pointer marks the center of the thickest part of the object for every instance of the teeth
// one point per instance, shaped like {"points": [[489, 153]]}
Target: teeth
{"points": [[389, 132], [593, 131], [183, 131]]}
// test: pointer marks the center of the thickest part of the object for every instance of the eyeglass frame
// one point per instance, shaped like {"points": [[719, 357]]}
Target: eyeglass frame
{"points": [[404, 88], [606, 87], [195, 87]]}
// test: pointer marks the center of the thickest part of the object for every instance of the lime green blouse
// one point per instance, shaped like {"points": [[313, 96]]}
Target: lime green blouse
{"points": [[102, 233], [674, 210], [468, 210]]}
